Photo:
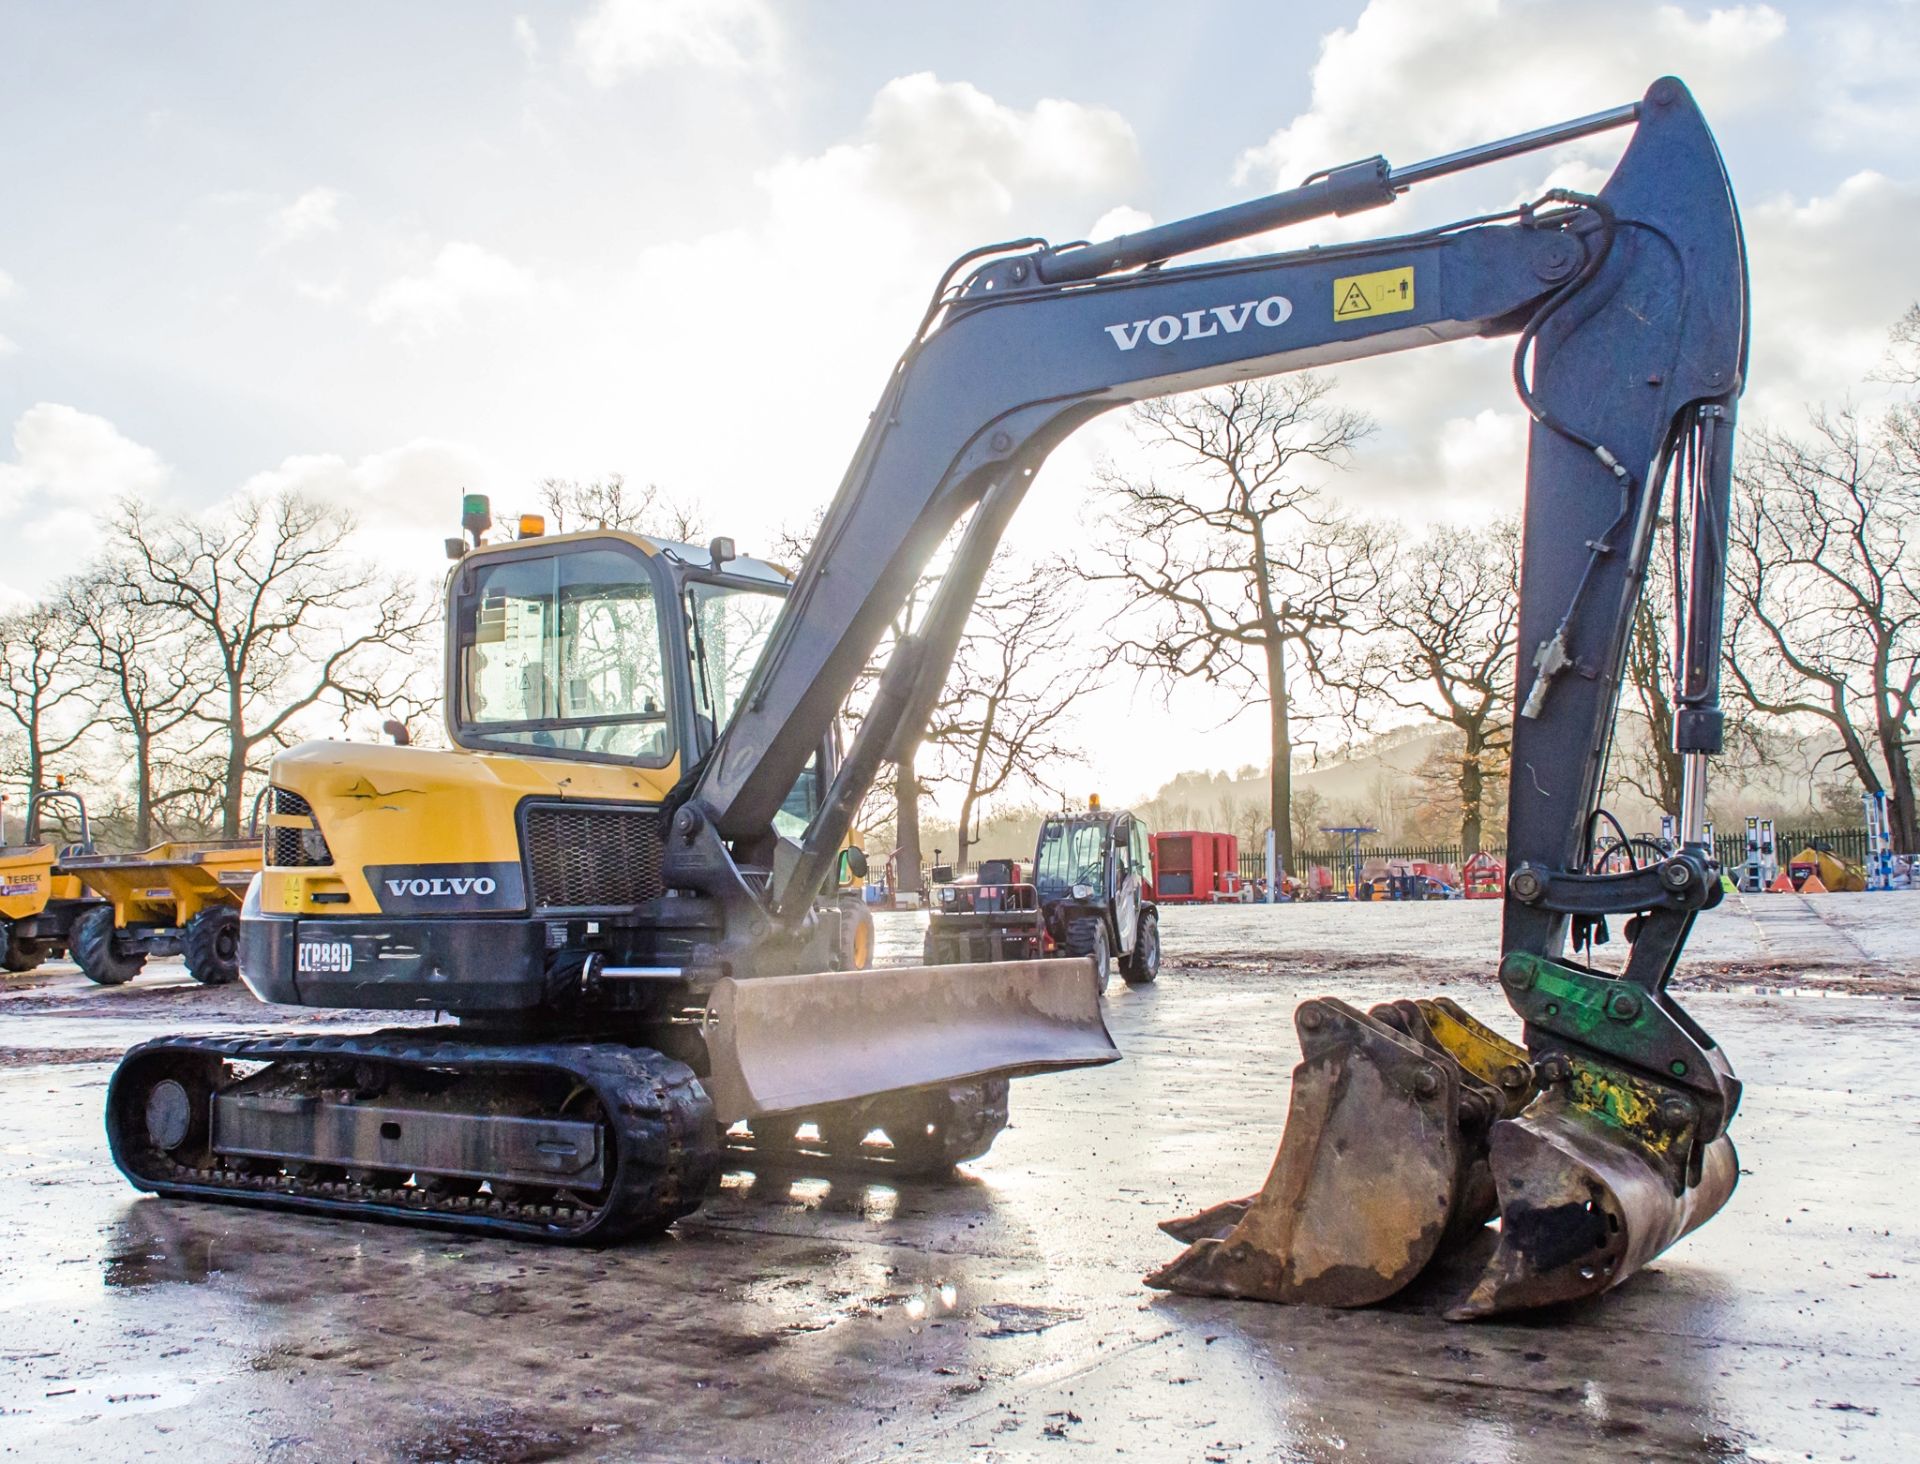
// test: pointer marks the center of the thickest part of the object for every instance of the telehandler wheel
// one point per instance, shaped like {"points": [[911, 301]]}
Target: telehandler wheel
{"points": [[1088, 937], [1144, 964], [92, 947], [856, 938], [211, 945], [18, 955]]}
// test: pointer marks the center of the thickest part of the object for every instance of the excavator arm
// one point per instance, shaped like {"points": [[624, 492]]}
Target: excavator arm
{"points": [[1606, 1133]]}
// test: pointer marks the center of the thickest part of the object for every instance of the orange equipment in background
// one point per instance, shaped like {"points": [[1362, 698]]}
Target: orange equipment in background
{"points": [[1819, 871]]}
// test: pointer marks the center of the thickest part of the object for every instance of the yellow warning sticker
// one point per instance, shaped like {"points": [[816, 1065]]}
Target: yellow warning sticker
{"points": [[1384, 292]]}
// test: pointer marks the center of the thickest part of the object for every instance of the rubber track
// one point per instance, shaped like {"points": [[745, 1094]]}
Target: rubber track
{"points": [[665, 1141]]}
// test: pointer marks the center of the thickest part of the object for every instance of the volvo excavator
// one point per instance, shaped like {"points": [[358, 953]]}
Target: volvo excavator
{"points": [[624, 880]]}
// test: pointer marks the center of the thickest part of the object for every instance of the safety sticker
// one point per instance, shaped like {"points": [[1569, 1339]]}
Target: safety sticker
{"points": [[1384, 292]]}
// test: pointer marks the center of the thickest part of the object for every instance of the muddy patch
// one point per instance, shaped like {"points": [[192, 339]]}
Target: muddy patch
{"points": [[23, 1057], [502, 1436], [1318, 965]]}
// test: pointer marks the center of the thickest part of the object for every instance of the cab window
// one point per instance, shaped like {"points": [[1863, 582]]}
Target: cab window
{"points": [[563, 652]]}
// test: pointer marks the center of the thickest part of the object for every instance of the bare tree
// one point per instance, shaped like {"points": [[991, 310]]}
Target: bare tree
{"points": [[1450, 617], [1826, 604], [1309, 811], [47, 692], [1247, 576], [152, 676], [288, 617], [1013, 687], [611, 503]]}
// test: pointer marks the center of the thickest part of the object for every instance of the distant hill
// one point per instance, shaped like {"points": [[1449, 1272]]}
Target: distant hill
{"points": [[1374, 781]]}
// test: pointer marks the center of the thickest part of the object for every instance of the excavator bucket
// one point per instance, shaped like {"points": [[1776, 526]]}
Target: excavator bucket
{"points": [[1413, 1125], [785, 1044], [1383, 1133], [1586, 1191]]}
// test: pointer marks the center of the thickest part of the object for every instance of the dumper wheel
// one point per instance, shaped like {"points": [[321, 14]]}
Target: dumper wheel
{"points": [[92, 948], [211, 945], [1088, 937], [16, 954], [1144, 964]]}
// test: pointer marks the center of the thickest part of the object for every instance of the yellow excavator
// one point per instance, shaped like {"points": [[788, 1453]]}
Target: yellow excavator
{"points": [[625, 879]]}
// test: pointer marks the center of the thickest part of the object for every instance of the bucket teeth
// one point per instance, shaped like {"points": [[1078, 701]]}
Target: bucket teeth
{"points": [[1413, 1125], [1364, 1184]]}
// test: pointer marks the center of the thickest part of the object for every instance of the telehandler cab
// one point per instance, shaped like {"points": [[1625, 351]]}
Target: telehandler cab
{"points": [[622, 881]]}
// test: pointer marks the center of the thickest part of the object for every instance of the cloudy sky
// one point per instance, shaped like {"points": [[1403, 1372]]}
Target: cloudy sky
{"points": [[383, 253]]}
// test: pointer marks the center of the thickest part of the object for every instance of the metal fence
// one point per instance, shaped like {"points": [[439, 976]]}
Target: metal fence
{"points": [[1729, 848]]}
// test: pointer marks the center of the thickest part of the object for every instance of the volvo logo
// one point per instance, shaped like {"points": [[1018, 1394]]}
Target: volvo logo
{"points": [[1197, 325], [474, 885]]}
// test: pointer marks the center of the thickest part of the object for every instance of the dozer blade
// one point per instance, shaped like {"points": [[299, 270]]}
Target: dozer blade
{"points": [[1365, 1183], [779, 1044], [1585, 1201]]}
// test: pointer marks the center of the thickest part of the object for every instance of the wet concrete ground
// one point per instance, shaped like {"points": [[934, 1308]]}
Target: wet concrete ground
{"points": [[1000, 1316]]}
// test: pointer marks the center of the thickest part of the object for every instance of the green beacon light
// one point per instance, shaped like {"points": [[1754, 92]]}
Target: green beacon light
{"points": [[476, 515]]}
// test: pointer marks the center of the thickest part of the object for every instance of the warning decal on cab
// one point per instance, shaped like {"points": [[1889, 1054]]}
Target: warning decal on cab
{"points": [[1384, 292]]}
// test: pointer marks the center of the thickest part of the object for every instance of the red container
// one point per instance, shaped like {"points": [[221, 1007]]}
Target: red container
{"points": [[1193, 867]]}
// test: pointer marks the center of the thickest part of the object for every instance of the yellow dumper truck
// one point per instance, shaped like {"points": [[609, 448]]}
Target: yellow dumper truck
{"points": [[177, 898], [40, 899]]}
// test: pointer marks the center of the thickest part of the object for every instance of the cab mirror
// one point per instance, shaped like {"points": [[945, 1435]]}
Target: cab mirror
{"points": [[853, 864]]}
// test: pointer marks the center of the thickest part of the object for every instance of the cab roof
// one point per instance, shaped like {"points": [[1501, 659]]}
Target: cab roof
{"points": [[694, 556]]}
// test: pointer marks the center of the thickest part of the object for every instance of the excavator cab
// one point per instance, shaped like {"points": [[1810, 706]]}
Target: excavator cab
{"points": [[521, 870]]}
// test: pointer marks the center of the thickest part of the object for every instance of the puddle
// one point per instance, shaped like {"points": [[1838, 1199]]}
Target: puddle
{"points": [[152, 1248], [37, 1403]]}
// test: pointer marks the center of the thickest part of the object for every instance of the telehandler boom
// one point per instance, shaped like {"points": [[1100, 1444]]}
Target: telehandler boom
{"points": [[622, 883]]}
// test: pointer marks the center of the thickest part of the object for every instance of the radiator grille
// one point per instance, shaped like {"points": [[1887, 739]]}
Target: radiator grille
{"points": [[294, 848], [587, 858]]}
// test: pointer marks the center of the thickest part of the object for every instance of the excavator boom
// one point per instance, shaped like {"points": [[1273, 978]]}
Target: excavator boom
{"points": [[1630, 312]]}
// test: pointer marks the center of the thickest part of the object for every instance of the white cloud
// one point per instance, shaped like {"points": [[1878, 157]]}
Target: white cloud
{"points": [[1830, 277], [64, 454], [6, 284], [526, 38], [7, 346], [938, 150], [621, 38], [314, 212], [404, 500], [1412, 79], [762, 323], [461, 277], [1123, 219], [68, 466], [1480, 457]]}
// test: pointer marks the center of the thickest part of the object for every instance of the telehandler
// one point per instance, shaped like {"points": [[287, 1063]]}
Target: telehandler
{"points": [[622, 881], [1091, 895]]}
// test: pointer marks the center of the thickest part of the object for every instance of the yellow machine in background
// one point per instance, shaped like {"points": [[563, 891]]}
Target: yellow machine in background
{"points": [[40, 896], [177, 898]]}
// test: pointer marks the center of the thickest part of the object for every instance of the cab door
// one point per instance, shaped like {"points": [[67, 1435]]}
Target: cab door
{"points": [[1128, 878]]}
